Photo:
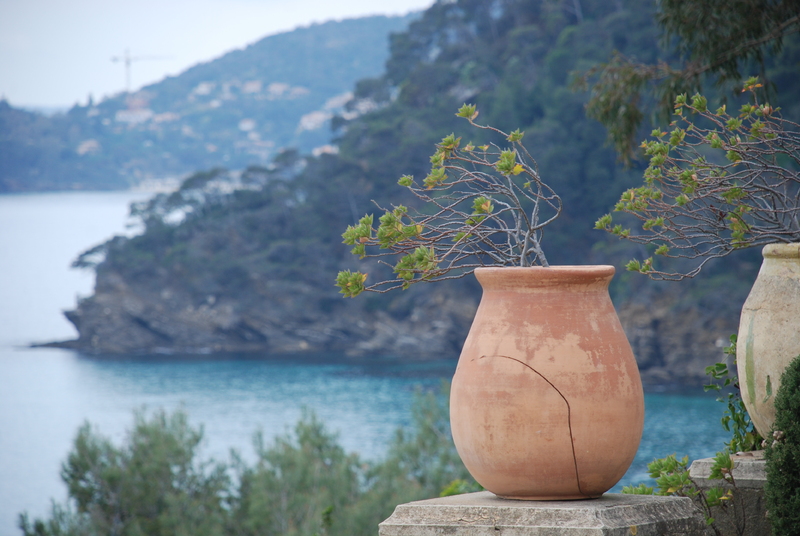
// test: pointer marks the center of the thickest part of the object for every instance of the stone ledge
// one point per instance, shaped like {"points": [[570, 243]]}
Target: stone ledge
{"points": [[749, 471], [483, 514], [746, 514]]}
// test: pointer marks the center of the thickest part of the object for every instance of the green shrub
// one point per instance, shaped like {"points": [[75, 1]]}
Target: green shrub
{"points": [[783, 456], [303, 483], [153, 485], [735, 419]]}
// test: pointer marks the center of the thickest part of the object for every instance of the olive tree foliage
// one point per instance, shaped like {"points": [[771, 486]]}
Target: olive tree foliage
{"points": [[424, 453], [710, 40], [421, 462], [152, 485], [483, 205], [717, 182], [303, 483]]}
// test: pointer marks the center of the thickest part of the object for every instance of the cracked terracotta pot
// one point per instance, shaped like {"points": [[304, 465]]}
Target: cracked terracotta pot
{"points": [[769, 332], [546, 402]]}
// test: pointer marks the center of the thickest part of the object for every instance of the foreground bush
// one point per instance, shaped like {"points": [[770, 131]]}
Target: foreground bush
{"points": [[303, 484], [783, 456]]}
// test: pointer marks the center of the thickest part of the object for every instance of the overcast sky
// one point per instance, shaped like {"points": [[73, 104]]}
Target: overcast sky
{"points": [[57, 52]]}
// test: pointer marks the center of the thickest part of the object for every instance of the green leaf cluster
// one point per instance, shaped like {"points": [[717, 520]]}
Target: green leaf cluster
{"points": [[515, 136], [641, 267], [392, 230], [735, 419], [672, 476], [468, 111], [351, 284], [507, 164], [406, 180], [481, 207], [358, 235], [435, 178], [421, 262], [641, 489]]}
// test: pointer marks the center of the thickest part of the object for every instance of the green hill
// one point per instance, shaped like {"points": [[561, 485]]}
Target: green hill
{"points": [[254, 269], [235, 111]]}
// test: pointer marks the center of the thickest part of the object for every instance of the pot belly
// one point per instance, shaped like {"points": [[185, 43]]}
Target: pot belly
{"points": [[521, 437]]}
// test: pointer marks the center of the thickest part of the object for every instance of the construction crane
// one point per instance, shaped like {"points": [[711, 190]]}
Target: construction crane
{"points": [[128, 59]]}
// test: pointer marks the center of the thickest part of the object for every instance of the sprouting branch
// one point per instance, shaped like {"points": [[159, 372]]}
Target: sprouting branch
{"points": [[716, 183], [480, 206]]}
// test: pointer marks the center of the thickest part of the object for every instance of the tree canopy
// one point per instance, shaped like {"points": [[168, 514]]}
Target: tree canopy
{"points": [[157, 483], [707, 41]]}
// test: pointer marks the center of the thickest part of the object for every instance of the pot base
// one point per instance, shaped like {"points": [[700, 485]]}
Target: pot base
{"points": [[550, 498]]}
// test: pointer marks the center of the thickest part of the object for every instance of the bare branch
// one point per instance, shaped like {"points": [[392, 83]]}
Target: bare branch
{"points": [[480, 206], [716, 184]]}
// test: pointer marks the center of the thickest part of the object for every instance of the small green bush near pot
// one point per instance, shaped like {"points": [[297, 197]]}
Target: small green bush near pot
{"points": [[783, 456]]}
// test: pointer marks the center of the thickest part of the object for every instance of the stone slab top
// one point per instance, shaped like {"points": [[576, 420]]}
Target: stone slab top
{"points": [[749, 470], [483, 513]]}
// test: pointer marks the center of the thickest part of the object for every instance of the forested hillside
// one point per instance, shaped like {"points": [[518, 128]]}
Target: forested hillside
{"points": [[254, 269], [236, 110]]}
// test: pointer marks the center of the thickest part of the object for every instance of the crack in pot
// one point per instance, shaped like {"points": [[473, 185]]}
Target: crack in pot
{"points": [[569, 414]]}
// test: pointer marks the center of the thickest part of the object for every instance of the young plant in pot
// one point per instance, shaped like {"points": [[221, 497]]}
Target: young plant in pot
{"points": [[546, 401], [717, 183]]}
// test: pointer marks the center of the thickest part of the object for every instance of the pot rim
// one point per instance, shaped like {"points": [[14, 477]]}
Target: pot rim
{"points": [[538, 277], [557, 267], [782, 250]]}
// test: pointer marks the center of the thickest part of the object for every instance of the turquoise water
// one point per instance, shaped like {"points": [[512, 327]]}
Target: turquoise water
{"points": [[46, 394]]}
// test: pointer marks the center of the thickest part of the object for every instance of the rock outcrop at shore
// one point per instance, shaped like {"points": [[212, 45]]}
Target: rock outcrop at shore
{"points": [[673, 342], [124, 318]]}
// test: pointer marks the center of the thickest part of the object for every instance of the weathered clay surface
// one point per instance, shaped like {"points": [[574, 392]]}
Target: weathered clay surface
{"points": [[546, 402], [769, 332]]}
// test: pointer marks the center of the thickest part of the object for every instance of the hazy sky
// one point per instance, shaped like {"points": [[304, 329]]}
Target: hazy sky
{"points": [[57, 52]]}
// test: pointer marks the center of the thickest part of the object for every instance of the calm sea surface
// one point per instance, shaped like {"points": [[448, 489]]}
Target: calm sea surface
{"points": [[46, 394]]}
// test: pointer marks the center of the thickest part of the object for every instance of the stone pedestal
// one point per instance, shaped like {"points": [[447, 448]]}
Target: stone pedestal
{"points": [[484, 514], [747, 510]]}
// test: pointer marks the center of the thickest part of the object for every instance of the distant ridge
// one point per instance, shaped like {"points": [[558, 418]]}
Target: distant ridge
{"points": [[237, 110]]}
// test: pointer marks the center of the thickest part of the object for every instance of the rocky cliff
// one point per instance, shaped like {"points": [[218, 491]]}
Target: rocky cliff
{"points": [[673, 337], [279, 318]]}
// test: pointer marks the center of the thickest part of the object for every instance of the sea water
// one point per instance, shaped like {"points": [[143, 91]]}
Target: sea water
{"points": [[46, 394]]}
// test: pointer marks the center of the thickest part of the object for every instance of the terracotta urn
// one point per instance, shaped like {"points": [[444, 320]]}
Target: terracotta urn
{"points": [[769, 332], [546, 401]]}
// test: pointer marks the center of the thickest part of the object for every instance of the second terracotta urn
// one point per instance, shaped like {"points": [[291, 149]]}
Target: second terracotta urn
{"points": [[769, 332]]}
